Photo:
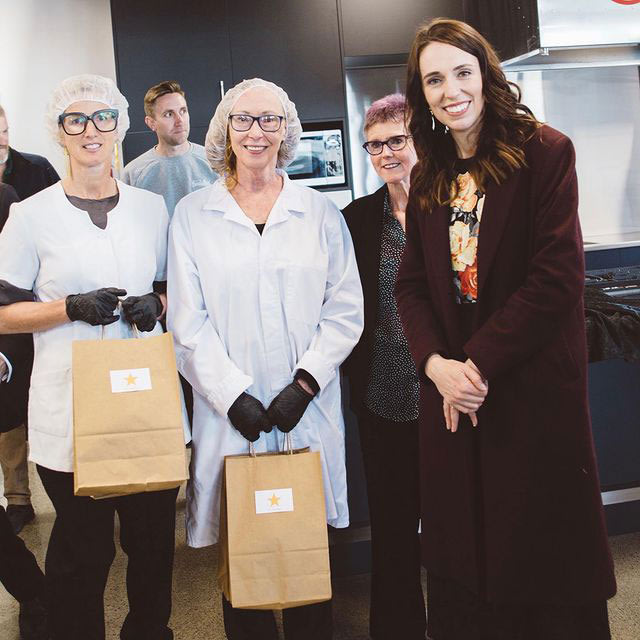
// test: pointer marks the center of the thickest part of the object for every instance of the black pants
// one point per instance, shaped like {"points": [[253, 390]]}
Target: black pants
{"points": [[390, 454], [312, 622], [81, 550], [19, 571]]}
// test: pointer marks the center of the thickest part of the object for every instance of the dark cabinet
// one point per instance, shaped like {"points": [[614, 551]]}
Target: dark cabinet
{"points": [[294, 44], [158, 40], [202, 43], [511, 27], [381, 28]]}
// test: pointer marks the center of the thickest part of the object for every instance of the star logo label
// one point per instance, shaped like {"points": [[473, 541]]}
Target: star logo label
{"points": [[274, 500], [128, 380]]}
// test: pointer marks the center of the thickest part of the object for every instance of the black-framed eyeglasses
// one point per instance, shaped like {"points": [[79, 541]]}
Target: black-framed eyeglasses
{"points": [[395, 143], [267, 122], [75, 122]]}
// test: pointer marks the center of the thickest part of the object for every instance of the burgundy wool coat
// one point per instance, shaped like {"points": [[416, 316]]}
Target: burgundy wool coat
{"points": [[512, 508]]}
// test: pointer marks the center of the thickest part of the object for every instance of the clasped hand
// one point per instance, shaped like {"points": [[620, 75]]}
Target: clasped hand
{"points": [[249, 417], [461, 386]]}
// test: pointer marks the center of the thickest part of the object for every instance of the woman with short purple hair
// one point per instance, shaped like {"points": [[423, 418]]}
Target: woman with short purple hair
{"points": [[383, 381]]}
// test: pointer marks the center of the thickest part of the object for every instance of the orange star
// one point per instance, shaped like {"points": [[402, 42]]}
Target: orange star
{"points": [[275, 500], [131, 379]]}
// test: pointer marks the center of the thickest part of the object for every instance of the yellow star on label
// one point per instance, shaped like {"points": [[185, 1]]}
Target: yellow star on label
{"points": [[131, 379], [274, 500]]}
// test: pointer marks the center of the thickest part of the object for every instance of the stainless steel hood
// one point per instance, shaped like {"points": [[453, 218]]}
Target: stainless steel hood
{"points": [[542, 34]]}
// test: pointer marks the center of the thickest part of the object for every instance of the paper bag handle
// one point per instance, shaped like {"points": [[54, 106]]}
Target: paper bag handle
{"points": [[136, 331], [287, 446]]}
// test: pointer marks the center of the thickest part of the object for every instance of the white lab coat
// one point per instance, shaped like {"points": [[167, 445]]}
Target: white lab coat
{"points": [[246, 312], [52, 247]]}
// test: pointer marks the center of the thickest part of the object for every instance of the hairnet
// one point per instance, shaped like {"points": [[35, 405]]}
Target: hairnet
{"points": [[86, 87], [216, 140]]}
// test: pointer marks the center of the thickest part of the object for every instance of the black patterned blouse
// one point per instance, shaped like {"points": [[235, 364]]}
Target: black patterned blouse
{"points": [[392, 392]]}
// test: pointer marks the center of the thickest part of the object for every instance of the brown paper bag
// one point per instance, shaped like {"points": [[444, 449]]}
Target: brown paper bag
{"points": [[274, 551], [127, 417]]}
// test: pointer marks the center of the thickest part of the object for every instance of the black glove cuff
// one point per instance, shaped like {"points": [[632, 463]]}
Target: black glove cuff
{"points": [[303, 393], [160, 307], [305, 376], [70, 307]]}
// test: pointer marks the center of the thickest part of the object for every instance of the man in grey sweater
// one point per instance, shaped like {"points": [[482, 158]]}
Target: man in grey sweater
{"points": [[175, 166]]}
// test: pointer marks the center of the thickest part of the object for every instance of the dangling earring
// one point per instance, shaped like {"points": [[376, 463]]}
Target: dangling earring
{"points": [[433, 121], [67, 161], [446, 129]]}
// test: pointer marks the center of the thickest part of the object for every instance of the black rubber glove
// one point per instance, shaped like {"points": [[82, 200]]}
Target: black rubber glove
{"points": [[95, 307], [249, 417], [288, 406], [143, 311]]}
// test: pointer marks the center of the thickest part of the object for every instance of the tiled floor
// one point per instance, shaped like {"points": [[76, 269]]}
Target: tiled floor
{"points": [[196, 602]]}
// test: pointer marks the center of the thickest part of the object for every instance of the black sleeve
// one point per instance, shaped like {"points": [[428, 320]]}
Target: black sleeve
{"points": [[8, 196], [52, 174], [160, 286]]}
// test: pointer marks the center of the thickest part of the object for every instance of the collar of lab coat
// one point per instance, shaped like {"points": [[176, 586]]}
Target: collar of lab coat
{"points": [[291, 200]]}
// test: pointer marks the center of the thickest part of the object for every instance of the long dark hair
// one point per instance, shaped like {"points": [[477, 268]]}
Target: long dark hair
{"points": [[506, 123]]}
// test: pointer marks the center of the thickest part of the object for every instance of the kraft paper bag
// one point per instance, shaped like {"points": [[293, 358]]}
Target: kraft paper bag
{"points": [[274, 550], [127, 417]]}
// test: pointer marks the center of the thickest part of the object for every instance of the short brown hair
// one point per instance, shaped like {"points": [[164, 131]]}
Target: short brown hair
{"points": [[507, 123], [161, 89]]}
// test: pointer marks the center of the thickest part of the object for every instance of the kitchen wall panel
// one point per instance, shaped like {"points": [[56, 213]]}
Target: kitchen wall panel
{"points": [[380, 27], [294, 44], [159, 40], [599, 109]]}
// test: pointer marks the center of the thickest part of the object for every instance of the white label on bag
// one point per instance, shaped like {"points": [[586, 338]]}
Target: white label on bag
{"points": [[274, 500], [125, 380]]}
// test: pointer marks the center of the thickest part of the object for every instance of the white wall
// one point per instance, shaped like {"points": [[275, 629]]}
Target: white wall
{"points": [[42, 43], [599, 109]]}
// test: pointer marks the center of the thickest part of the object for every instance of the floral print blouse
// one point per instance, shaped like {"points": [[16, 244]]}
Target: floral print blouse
{"points": [[464, 229]]}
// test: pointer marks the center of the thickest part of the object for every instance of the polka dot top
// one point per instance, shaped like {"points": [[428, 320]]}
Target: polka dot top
{"points": [[392, 391]]}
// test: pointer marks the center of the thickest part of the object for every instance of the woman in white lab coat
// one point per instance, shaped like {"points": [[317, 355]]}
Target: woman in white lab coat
{"points": [[78, 249], [265, 303]]}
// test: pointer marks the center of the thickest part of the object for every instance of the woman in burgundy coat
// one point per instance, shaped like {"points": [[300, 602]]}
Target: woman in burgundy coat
{"points": [[490, 296]]}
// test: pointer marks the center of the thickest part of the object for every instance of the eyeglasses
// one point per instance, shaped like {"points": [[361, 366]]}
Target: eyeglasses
{"points": [[74, 123], [396, 143], [244, 122]]}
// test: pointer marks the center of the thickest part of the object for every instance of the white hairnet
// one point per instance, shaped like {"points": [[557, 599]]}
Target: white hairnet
{"points": [[216, 140], [86, 87]]}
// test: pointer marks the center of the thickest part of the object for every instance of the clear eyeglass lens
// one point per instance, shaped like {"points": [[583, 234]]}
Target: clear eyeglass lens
{"points": [[397, 143], [74, 123], [374, 147], [105, 120], [269, 123], [241, 123]]}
